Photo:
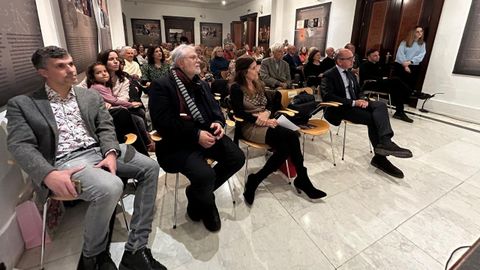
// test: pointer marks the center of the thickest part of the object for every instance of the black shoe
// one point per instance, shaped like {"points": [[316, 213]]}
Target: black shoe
{"points": [[211, 219], [102, 261], [383, 164], [390, 148], [141, 259], [193, 212], [303, 183], [250, 187], [402, 116]]}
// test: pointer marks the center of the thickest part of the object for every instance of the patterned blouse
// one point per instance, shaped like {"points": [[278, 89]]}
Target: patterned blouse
{"points": [[151, 73], [72, 132]]}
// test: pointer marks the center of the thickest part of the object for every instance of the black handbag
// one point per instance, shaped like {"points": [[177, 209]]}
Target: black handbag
{"points": [[306, 106]]}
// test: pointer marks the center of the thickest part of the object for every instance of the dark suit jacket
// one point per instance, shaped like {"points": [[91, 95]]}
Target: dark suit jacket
{"points": [[33, 134], [179, 134], [333, 89]]}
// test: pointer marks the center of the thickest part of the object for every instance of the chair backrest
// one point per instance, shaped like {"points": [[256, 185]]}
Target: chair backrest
{"points": [[288, 94]]}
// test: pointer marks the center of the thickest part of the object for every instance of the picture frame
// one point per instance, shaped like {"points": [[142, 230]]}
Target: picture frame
{"points": [[211, 34]]}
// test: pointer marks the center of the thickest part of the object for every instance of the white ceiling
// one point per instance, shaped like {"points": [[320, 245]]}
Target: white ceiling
{"points": [[216, 4]]}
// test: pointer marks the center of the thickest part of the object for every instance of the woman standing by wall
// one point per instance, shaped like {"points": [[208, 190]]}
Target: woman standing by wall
{"points": [[410, 54]]}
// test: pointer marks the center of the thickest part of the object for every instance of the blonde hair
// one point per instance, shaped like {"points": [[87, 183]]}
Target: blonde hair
{"points": [[215, 50]]}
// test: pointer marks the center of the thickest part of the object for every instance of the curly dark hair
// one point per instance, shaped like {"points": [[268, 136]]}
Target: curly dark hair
{"points": [[151, 52], [102, 57]]}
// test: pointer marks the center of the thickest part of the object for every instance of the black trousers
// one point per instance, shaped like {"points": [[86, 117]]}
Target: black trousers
{"points": [[124, 123], [203, 178], [409, 79], [285, 143], [375, 116], [399, 91]]}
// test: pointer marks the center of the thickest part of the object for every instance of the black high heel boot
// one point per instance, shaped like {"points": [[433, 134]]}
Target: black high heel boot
{"points": [[250, 186], [303, 183]]}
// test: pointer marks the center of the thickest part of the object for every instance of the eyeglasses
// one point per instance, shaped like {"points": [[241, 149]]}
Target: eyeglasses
{"points": [[347, 58]]}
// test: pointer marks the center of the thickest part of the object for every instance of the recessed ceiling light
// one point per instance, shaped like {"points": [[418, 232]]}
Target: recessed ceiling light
{"points": [[224, 2]]}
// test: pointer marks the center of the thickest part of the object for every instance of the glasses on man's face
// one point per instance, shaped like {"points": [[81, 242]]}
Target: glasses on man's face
{"points": [[347, 58]]}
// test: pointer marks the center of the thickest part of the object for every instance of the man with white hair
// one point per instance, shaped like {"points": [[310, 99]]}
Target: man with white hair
{"points": [[131, 67], [274, 71], [191, 123]]}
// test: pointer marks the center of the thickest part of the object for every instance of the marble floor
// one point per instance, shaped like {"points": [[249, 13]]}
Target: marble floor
{"points": [[368, 220]]}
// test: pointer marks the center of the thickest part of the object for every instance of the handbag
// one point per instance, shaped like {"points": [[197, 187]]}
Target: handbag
{"points": [[305, 104]]}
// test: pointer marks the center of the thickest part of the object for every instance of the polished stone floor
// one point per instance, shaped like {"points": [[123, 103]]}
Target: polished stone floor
{"points": [[368, 220]]}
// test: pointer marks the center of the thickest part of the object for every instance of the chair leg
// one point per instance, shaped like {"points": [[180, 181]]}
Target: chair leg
{"points": [[390, 107], [232, 192], [175, 202], [166, 178], [344, 137], [303, 145], [124, 214], [338, 129], [44, 233], [331, 146], [288, 172], [246, 166]]}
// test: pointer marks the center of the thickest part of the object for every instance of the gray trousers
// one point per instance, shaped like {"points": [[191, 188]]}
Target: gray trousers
{"points": [[103, 190]]}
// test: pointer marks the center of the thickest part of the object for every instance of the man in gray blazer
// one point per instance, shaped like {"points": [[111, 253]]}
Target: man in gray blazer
{"points": [[274, 71], [61, 133]]}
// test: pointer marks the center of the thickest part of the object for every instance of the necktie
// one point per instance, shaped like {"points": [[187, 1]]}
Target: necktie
{"points": [[350, 84]]}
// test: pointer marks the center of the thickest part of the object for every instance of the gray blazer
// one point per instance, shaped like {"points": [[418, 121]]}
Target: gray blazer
{"points": [[272, 76], [33, 134]]}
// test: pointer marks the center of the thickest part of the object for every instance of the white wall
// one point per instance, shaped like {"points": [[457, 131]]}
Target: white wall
{"points": [[340, 24], [116, 23], [462, 92], [157, 11]]}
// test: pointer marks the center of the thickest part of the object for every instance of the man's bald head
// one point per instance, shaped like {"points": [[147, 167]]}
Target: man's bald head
{"points": [[344, 58]]}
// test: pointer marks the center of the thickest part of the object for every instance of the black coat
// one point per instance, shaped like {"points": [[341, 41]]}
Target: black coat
{"points": [[333, 89], [179, 134]]}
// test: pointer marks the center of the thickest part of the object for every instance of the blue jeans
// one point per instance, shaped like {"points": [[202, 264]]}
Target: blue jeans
{"points": [[103, 190]]}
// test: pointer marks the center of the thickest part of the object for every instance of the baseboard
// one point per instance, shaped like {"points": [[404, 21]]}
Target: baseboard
{"points": [[453, 110]]}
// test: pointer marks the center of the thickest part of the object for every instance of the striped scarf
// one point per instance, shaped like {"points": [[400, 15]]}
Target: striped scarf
{"points": [[192, 107]]}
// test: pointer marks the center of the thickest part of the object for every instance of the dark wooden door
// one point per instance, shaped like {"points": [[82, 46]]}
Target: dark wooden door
{"points": [[236, 30], [250, 29], [383, 24]]}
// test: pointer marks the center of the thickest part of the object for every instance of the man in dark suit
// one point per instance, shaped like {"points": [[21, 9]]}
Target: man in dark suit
{"points": [[340, 85], [328, 62], [372, 78], [191, 123], [62, 133], [296, 66]]}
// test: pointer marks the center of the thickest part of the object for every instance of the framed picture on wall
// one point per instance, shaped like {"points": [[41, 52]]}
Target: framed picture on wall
{"points": [[468, 58], [312, 26], [178, 27], [146, 32], [264, 31], [211, 34]]}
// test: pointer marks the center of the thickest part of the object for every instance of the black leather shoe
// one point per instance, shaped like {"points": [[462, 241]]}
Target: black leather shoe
{"points": [[250, 187], [102, 261], [141, 259], [383, 164], [391, 148], [193, 212], [211, 219], [402, 116], [304, 184]]}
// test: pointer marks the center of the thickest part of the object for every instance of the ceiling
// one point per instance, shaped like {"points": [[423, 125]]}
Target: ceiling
{"points": [[215, 4]]}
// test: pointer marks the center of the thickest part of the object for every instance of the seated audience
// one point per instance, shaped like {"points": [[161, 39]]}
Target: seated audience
{"points": [[312, 68], [63, 132], [328, 62], [257, 53], [296, 66], [218, 63], [303, 55], [356, 58], [156, 66], [98, 79], [399, 91], [120, 85], [191, 123], [249, 102], [340, 85], [131, 67], [142, 55], [229, 52], [274, 71]]}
